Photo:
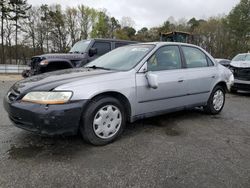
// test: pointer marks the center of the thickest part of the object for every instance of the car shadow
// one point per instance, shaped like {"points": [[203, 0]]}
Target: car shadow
{"points": [[27, 145], [167, 122], [241, 93]]}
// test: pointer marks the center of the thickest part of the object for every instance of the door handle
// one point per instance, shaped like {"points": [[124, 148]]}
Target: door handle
{"points": [[213, 76], [181, 80]]}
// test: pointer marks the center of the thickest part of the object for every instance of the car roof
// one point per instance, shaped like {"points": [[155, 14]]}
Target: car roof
{"points": [[244, 53], [113, 40], [219, 59], [168, 43]]}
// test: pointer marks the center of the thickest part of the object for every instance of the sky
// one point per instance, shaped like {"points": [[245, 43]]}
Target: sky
{"points": [[150, 13]]}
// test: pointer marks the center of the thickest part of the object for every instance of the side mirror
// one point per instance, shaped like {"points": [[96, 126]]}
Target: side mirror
{"points": [[152, 80], [92, 52]]}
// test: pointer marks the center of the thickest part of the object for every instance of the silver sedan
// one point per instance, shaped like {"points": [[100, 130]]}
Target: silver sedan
{"points": [[127, 84]]}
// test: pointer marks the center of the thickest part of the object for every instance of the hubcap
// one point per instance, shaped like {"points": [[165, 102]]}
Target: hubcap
{"points": [[107, 121], [218, 100]]}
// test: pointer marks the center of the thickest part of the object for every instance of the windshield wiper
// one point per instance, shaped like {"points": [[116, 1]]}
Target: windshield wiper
{"points": [[96, 67]]}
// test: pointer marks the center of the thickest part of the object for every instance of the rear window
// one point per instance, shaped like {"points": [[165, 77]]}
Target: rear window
{"points": [[119, 44], [194, 57]]}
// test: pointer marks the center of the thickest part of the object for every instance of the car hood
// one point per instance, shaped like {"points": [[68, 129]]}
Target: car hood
{"points": [[69, 56], [240, 64], [49, 81]]}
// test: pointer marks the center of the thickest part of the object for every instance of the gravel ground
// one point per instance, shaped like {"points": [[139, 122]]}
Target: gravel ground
{"points": [[10, 77], [184, 149]]}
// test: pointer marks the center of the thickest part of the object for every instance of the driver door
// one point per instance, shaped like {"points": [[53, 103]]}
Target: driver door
{"points": [[172, 90]]}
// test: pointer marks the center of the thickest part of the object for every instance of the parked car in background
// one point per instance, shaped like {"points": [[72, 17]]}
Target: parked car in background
{"points": [[240, 66], [80, 54], [224, 62], [129, 83]]}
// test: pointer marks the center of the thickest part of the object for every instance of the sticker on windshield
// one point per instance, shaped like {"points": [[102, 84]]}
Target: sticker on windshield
{"points": [[139, 49]]}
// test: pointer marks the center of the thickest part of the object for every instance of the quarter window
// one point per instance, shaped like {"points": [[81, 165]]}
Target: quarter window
{"points": [[102, 47], [194, 57], [210, 63], [165, 58]]}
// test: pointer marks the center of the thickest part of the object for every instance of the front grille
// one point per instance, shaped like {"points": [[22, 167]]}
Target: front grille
{"points": [[13, 95], [241, 73]]}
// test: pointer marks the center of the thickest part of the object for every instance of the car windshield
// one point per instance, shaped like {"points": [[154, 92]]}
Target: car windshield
{"points": [[80, 47], [242, 57], [123, 58]]}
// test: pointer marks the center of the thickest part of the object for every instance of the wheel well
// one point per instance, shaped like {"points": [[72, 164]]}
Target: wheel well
{"points": [[57, 65], [119, 97], [223, 85]]}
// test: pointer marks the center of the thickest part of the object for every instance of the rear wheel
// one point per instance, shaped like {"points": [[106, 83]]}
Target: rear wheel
{"points": [[216, 101], [103, 121]]}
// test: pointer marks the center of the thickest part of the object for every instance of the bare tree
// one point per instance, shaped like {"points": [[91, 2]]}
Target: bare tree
{"points": [[87, 18], [4, 13], [58, 30], [72, 23], [19, 8]]}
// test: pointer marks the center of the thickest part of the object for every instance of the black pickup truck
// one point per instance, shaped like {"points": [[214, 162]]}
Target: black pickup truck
{"points": [[80, 54]]}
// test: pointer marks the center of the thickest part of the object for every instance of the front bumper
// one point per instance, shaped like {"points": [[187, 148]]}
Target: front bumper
{"points": [[49, 120], [241, 85]]}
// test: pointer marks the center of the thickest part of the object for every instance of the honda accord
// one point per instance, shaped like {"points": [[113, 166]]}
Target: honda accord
{"points": [[124, 85]]}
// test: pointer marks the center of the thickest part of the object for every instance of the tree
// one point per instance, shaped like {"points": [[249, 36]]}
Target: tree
{"points": [[142, 34], [71, 19], [166, 27], [193, 23], [238, 22], [101, 28], [29, 27], [44, 18], [87, 19], [114, 26], [127, 22], [4, 13], [19, 8], [58, 30]]}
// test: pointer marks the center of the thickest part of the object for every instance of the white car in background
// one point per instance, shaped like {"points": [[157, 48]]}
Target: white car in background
{"points": [[240, 66]]}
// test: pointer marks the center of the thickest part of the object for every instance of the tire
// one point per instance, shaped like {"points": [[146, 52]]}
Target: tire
{"points": [[103, 121], [25, 73], [211, 107]]}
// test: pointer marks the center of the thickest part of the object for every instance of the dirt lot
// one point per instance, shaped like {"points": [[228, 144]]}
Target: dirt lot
{"points": [[10, 77], [185, 149]]}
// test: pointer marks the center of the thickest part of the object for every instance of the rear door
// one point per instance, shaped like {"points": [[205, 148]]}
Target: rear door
{"points": [[201, 74]]}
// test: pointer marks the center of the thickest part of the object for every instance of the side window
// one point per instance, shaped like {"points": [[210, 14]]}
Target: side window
{"points": [[102, 47], [165, 58], [194, 57], [118, 44]]}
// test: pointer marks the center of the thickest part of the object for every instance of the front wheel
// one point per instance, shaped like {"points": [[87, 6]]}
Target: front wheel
{"points": [[216, 101], [103, 121]]}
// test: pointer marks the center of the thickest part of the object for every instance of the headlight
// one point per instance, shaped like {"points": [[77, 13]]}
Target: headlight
{"points": [[231, 69], [231, 79], [53, 97], [44, 62]]}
